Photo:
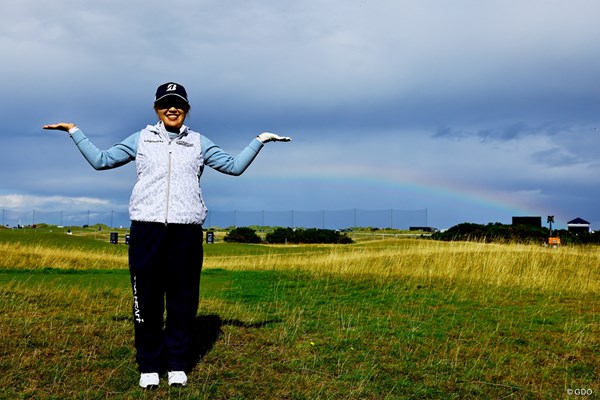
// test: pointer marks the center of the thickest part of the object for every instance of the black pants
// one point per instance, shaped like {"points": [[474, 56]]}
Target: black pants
{"points": [[165, 263]]}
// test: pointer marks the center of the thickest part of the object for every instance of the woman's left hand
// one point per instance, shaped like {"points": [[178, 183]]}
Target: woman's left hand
{"points": [[271, 137]]}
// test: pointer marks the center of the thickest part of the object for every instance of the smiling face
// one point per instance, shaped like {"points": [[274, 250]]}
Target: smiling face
{"points": [[171, 110]]}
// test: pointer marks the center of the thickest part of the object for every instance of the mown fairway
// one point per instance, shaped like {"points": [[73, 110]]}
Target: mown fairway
{"points": [[380, 319]]}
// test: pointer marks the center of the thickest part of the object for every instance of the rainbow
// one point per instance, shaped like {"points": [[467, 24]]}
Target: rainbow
{"points": [[511, 203]]}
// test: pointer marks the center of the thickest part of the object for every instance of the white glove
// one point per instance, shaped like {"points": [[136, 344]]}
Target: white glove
{"points": [[271, 137]]}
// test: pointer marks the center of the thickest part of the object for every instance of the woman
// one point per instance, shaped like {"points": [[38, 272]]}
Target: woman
{"points": [[166, 211]]}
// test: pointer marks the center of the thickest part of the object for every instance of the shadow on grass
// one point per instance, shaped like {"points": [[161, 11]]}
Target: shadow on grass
{"points": [[208, 328]]}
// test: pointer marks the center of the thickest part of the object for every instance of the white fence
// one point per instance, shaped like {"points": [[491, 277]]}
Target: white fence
{"points": [[325, 219]]}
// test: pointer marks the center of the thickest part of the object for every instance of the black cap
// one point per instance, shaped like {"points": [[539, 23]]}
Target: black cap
{"points": [[170, 89]]}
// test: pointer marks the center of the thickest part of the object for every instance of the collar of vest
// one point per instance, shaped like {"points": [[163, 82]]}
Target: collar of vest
{"points": [[160, 128]]}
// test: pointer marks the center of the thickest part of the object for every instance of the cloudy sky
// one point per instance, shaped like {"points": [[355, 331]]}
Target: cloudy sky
{"points": [[472, 110]]}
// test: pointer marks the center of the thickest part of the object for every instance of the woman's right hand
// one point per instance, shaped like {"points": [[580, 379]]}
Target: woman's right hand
{"points": [[61, 126]]}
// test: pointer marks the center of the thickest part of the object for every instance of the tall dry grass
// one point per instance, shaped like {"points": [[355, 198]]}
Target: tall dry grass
{"points": [[33, 256], [515, 265]]}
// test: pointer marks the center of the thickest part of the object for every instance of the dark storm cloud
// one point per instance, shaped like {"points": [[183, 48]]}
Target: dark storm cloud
{"points": [[422, 92]]}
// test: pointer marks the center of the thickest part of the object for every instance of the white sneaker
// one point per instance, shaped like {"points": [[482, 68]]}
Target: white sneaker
{"points": [[177, 378], [149, 380]]}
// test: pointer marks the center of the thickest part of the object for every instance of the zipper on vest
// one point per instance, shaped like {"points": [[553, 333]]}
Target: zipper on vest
{"points": [[168, 186]]}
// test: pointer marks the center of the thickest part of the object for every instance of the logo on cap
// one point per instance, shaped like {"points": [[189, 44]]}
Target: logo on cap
{"points": [[170, 89]]}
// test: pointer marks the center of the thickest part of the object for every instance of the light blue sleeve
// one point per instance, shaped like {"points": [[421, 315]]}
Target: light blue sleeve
{"points": [[117, 155], [223, 162]]}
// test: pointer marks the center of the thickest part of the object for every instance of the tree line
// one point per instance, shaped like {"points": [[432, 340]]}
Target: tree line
{"points": [[497, 232], [288, 235]]}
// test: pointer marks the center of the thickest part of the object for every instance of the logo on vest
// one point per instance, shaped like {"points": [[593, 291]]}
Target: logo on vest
{"points": [[184, 143]]}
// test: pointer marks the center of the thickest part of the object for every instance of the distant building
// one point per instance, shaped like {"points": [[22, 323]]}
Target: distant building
{"points": [[422, 228], [578, 225], [532, 221]]}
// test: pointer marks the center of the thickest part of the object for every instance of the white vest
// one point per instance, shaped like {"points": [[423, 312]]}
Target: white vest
{"points": [[167, 189]]}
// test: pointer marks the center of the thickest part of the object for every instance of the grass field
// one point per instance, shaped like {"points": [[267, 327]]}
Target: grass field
{"points": [[379, 319]]}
